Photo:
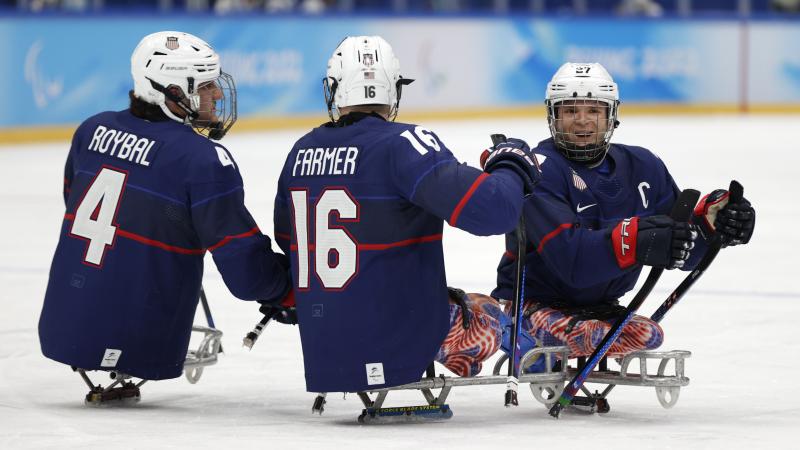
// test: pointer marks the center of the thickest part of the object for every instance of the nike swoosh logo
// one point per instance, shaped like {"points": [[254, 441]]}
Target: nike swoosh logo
{"points": [[581, 209]]}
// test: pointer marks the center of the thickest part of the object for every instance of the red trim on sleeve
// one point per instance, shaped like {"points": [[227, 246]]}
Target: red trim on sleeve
{"points": [[227, 239], [466, 197], [552, 234], [283, 236], [161, 245], [172, 248], [419, 240]]}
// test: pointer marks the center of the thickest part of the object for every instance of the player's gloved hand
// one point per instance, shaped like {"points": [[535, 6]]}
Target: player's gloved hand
{"points": [[283, 311], [514, 154], [734, 221], [656, 241]]}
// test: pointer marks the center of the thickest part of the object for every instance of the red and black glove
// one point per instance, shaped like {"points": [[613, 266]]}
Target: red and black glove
{"points": [[656, 241], [516, 155], [283, 311], [734, 222]]}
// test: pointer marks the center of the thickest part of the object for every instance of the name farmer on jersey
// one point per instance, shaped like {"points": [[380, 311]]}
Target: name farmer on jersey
{"points": [[325, 161]]}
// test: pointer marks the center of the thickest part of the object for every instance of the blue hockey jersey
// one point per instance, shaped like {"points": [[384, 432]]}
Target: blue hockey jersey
{"points": [[569, 257], [144, 201], [360, 210]]}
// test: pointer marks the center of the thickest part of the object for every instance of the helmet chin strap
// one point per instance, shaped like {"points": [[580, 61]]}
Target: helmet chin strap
{"points": [[178, 100]]}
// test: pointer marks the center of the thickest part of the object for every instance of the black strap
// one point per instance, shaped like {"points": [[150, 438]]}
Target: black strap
{"points": [[601, 311], [459, 297]]}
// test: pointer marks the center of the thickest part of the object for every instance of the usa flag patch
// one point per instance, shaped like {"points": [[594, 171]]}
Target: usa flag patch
{"points": [[172, 43], [578, 181]]}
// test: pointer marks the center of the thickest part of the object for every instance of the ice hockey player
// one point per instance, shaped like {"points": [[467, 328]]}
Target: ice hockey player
{"points": [[360, 209], [597, 217], [147, 193]]}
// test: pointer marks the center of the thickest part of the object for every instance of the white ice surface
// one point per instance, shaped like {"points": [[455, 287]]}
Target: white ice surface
{"points": [[740, 321]]}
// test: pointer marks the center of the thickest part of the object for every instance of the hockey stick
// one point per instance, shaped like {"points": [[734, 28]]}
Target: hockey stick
{"points": [[207, 311], [736, 192], [681, 211], [252, 336], [512, 382]]}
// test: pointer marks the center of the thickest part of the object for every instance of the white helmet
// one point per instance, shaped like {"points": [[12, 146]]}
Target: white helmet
{"points": [[582, 83], [363, 71], [174, 65]]}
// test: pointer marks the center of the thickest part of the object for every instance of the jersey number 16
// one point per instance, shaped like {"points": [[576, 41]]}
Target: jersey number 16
{"points": [[335, 250]]}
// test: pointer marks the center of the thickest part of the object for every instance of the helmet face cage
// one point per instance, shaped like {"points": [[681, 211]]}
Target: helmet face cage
{"points": [[214, 111], [582, 126], [185, 70], [582, 102]]}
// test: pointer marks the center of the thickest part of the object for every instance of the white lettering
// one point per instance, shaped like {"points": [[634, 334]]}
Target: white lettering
{"points": [[325, 161], [330, 154], [127, 146], [117, 139], [305, 169], [123, 145], [145, 162], [105, 140], [316, 165], [297, 161], [642, 186], [337, 169], [624, 233], [350, 161], [96, 137]]}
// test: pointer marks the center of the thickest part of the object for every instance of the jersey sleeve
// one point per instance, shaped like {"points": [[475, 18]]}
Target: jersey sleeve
{"points": [[282, 217], [428, 175], [69, 174], [69, 166], [243, 255]]}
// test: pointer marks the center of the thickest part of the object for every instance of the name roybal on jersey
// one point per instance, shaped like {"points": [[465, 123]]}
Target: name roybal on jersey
{"points": [[325, 161], [122, 145]]}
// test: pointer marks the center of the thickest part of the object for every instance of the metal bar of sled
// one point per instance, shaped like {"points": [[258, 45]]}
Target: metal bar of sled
{"points": [[608, 377], [611, 378], [442, 381]]}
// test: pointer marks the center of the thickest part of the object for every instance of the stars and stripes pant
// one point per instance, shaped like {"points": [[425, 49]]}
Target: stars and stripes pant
{"points": [[464, 349], [553, 327]]}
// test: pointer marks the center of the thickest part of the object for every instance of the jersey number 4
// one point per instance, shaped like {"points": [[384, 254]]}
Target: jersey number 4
{"points": [[335, 251], [97, 212]]}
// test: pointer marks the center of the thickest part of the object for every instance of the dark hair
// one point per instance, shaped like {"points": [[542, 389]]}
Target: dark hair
{"points": [[144, 110]]}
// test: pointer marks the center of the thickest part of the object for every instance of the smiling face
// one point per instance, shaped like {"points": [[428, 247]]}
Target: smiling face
{"points": [[582, 123]]}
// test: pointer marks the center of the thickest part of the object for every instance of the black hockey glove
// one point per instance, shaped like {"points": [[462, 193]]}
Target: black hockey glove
{"points": [[656, 241], [514, 154], [734, 221], [283, 311]]}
